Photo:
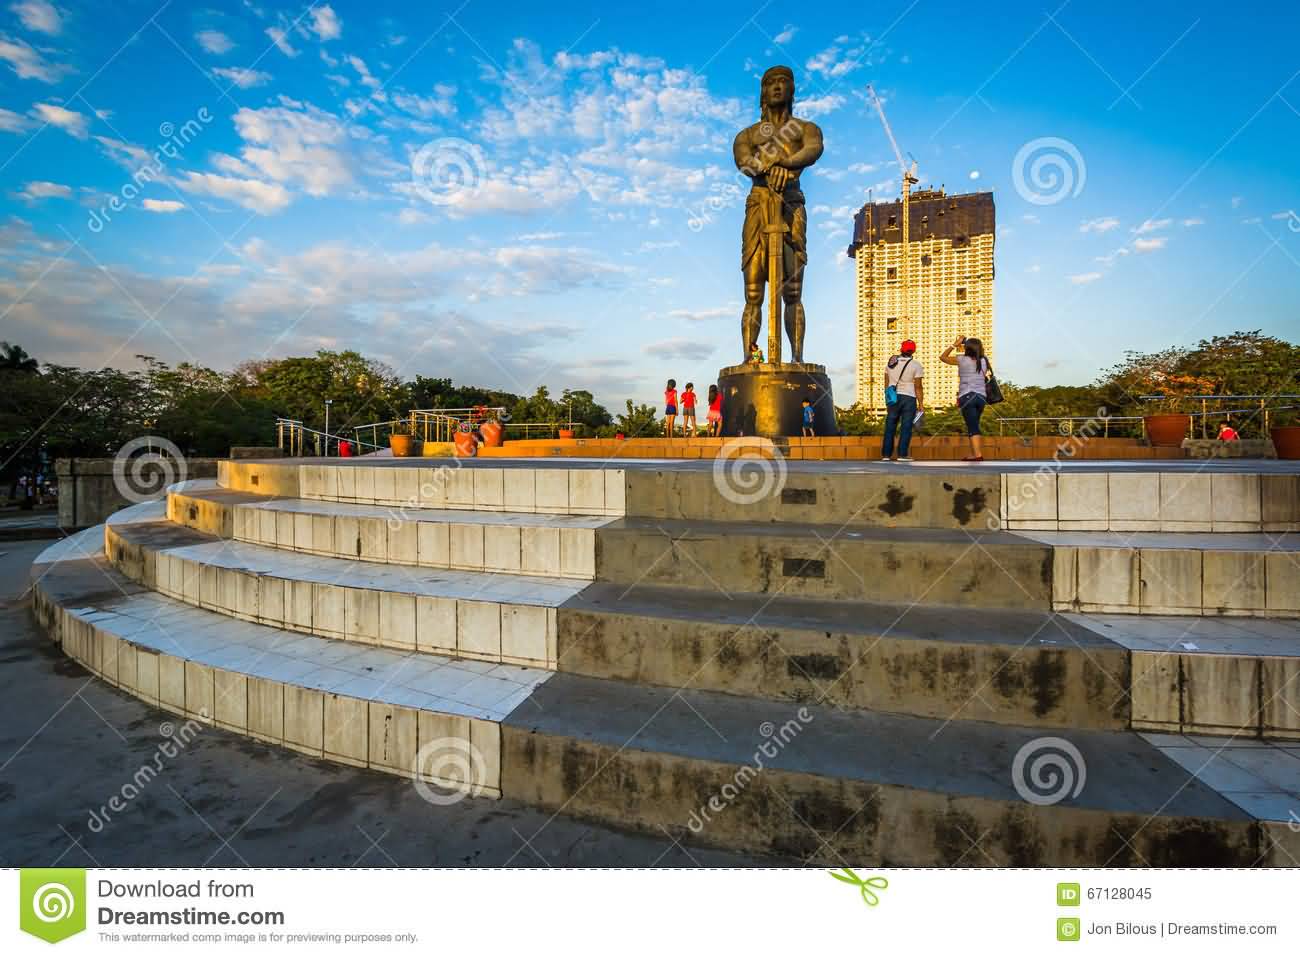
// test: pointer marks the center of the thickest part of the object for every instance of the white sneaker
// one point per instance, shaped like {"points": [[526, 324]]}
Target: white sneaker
{"points": [[886, 458], [904, 458]]}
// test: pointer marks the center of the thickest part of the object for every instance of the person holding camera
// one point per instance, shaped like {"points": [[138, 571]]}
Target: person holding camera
{"points": [[904, 395], [973, 371]]}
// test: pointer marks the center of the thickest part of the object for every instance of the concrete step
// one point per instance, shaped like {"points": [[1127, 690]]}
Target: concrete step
{"points": [[975, 568], [1154, 573], [819, 785], [800, 782], [418, 715], [478, 615], [528, 543]]}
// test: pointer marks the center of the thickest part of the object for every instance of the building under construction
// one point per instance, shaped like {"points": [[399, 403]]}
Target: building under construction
{"points": [[942, 289]]}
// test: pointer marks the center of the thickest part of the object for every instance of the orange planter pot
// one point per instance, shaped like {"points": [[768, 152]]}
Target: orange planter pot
{"points": [[492, 433], [403, 446], [1167, 430], [1286, 439], [466, 445], [566, 433]]}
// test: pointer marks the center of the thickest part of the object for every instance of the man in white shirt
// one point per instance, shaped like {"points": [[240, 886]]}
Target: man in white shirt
{"points": [[904, 374]]}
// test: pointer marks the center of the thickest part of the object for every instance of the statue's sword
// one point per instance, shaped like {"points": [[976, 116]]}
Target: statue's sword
{"points": [[776, 230]]}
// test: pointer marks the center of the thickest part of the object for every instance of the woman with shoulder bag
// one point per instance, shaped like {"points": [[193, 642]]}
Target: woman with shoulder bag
{"points": [[976, 388]]}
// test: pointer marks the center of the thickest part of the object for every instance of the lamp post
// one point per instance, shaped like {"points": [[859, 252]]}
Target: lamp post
{"points": [[328, 403]]}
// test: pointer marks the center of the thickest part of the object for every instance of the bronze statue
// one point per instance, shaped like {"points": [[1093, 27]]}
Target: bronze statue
{"points": [[774, 241]]}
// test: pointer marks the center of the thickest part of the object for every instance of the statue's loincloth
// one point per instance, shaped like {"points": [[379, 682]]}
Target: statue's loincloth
{"points": [[753, 237]]}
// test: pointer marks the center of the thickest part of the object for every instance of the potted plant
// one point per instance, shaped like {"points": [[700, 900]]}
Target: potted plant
{"points": [[402, 440], [1284, 430]]}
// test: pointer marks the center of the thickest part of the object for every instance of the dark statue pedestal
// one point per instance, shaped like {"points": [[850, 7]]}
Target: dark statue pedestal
{"points": [[766, 399]]}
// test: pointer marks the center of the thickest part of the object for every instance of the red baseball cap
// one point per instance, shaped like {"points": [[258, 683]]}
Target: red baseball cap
{"points": [[907, 346]]}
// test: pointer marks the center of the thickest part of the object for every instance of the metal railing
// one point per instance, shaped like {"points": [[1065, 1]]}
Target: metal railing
{"points": [[1066, 424], [1069, 424], [298, 440], [1263, 410]]}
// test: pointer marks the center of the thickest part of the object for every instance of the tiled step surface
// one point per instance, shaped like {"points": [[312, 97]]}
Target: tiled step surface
{"points": [[1153, 573], [367, 707], [870, 785], [528, 543], [498, 618], [933, 565]]}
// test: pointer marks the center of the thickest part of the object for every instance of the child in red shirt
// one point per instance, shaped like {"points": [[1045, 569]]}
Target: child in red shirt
{"points": [[670, 407], [688, 410], [715, 411]]}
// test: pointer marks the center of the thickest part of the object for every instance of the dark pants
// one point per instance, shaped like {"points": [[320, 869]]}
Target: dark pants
{"points": [[903, 411], [972, 407]]}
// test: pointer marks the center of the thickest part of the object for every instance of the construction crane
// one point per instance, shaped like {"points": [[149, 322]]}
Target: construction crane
{"points": [[909, 177]]}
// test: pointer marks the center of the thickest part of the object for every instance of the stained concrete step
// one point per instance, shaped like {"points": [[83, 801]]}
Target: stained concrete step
{"points": [[1155, 573], [803, 782], [984, 569], [417, 715], [479, 615], [819, 785], [528, 543], [1008, 666]]}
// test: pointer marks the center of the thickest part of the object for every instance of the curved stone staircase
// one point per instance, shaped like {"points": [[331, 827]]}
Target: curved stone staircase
{"points": [[856, 667]]}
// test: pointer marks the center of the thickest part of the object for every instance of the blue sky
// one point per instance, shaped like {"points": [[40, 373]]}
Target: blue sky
{"points": [[593, 239]]}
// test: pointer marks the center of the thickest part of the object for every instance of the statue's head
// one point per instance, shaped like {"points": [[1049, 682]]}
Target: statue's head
{"points": [[777, 89]]}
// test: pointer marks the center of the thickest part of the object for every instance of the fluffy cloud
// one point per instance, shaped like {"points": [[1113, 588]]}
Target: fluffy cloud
{"points": [[1103, 224], [841, 58], [1151, 226], [27, 63], [1084, 278], [705, 315], [214, 41], [280, 37], [1193, 221], [243, 78], [325, 23], [786, 35], [816, 106], [1150, 245], [38, 190], [162, 205], [38, 15], [295, 144], [260, 197], [11, 122], [70, 121]]}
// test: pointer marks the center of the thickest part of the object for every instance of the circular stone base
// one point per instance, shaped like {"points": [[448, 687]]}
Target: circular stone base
{"points": [[766, 399]]}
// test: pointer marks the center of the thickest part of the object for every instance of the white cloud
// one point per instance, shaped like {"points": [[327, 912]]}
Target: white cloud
{"points": [[162, 205], [862, 167], [705, 315], [27, 62], [281, 40], [1034, 268], [293, 143], [243, 78], [539, 237], [38, 15], [841, 58], [363, 71], [1151, 226], [786, 34], [427, 107], [815, 106], [680, 348], [325, 23], [1193, 221], [1102, 224], [38, 190], [11, 122], [70, 121], [1150, 245], [1086, 277], [214, 41], [260, 197]]}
